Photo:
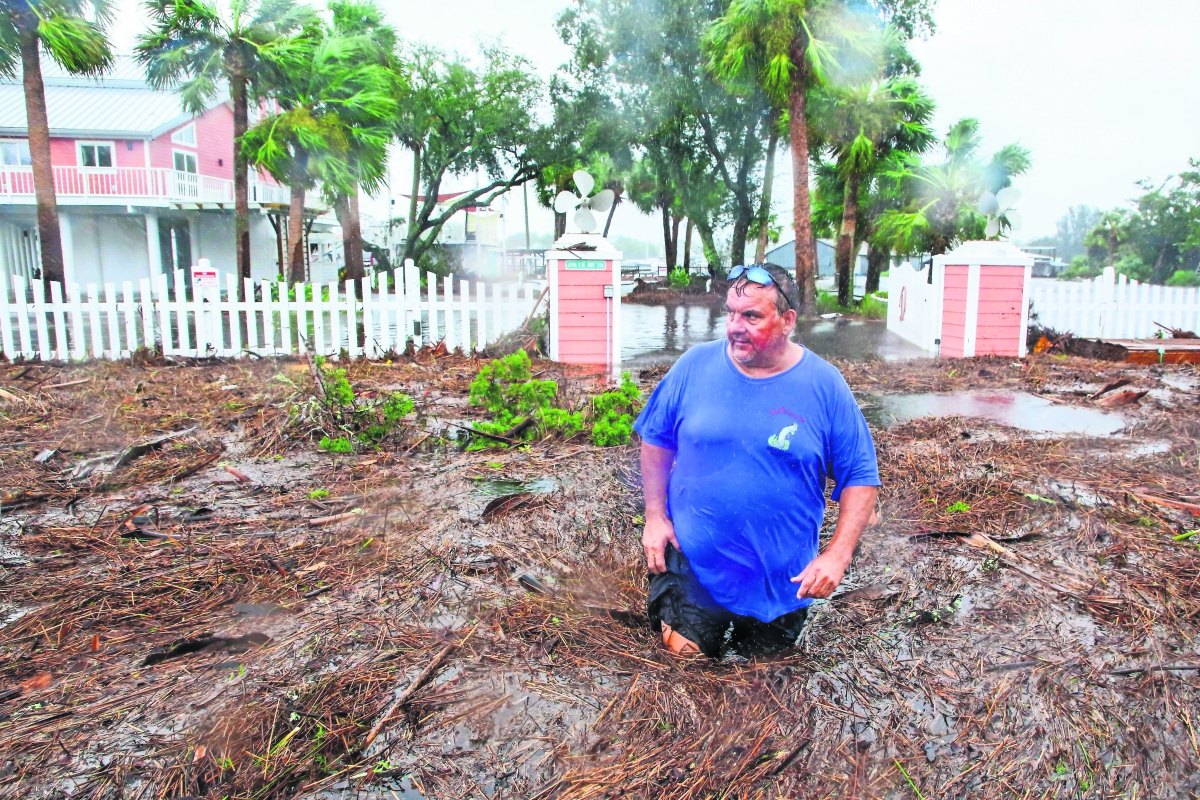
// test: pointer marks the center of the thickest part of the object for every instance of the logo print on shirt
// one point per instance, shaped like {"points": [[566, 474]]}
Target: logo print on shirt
{"points": [[780, 440]]}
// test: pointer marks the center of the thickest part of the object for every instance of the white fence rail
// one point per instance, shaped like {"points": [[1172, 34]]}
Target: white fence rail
{"points": [[1114, 307], [380, 314]]}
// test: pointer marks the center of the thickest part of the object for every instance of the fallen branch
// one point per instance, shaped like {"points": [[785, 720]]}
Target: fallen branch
{"points": [[1156, 668], [410, 691], [1162, 501], [336, 518]]}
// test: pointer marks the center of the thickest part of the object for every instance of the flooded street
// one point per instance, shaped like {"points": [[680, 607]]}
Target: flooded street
{"points": [[655, 335]]}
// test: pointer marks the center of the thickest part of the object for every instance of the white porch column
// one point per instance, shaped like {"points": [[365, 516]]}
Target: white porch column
{"points": [[153, 247], [194, 237], [68, 246]]}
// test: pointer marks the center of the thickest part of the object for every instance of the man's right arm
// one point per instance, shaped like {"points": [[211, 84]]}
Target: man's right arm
{"points": [[659, 531]]}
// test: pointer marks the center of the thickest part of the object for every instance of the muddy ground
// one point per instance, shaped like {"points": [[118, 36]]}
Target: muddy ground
{"points": [[1021, 623]]}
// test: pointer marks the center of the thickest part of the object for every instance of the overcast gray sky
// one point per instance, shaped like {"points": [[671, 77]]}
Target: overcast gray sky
{"points": [[1102, 91]]}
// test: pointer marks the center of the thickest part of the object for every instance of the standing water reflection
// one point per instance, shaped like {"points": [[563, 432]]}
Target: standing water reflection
{"points": [[653, 335]]}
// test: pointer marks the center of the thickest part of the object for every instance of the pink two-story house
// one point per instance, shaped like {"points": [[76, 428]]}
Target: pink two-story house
{"points": [[142, 186]]}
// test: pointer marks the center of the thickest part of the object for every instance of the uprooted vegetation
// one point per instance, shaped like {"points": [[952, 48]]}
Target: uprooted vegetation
{"points": [[349, 419], [1022, 621], [523, 407]]}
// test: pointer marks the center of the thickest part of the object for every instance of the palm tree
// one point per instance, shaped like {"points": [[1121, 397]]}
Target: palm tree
{"points": [[367, 147], [786, 47], [943, 209], [196, 46], [1110, 233], [335, 93], [861, 125], [58, 27]]}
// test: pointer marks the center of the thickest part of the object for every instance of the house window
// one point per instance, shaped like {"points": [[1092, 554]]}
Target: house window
{"points": [[96, 154], [185, 162], [15, 153], [185, 135]]}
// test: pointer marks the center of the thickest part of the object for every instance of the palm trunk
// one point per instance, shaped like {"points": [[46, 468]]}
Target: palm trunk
{"points": [[49, 238], [241, 179], [612, 210], [877, 259], [347, 212], [687, 247], [295, 235], [764, 211], [846, 257], [806, 279], [560, 225], [410, 231]]}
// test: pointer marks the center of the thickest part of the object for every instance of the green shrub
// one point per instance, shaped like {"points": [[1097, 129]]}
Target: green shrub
{"points": [[337, 388], [349, 420], [827, 303], [678, 279], [882, 294], [873, 307], [339, 445], [1081, 267], [612, 414], [508, 391], [1184, 277], [396, 408]]}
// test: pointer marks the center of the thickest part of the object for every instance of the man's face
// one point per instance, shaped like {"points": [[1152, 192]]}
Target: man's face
{"points": [[756, 331]]}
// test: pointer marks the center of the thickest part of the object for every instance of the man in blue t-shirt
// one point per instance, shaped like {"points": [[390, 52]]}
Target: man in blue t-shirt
{"points": [[738, 441]]}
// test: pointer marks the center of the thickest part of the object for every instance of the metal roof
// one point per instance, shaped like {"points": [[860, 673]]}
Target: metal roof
{"points": [[119, 105]]}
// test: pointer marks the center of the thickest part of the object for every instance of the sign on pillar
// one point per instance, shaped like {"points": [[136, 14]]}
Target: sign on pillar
{"points": [[584, 272]]}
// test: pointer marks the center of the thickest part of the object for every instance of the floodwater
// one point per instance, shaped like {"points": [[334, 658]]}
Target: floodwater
{"points": [[653, 335], [1017, 409], [498, 487]]}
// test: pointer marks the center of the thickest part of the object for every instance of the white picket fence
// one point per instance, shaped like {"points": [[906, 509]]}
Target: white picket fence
{"points": [[1111, 306], [381, 314]]}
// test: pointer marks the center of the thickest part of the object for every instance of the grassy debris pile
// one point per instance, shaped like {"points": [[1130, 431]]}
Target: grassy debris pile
{"points": [[352, 421]]}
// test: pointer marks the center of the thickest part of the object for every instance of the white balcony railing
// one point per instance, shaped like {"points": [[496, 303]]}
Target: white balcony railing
{"points": [[122, 184]]}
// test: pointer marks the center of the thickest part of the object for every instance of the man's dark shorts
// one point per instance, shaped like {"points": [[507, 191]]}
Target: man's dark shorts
{"points": [[678, 599]]}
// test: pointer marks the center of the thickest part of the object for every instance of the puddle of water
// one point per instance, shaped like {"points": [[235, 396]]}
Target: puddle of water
{"points": [[1019, 410], [1183, 383], [652, 335], [499, 487]]}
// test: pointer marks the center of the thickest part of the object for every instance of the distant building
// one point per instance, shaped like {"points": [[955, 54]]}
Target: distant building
{"points": [[785, 256], [473, 240], [142, 186]]}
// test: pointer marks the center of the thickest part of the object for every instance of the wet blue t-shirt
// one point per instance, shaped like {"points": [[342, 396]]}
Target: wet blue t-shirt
{"points": [[752, 456]]}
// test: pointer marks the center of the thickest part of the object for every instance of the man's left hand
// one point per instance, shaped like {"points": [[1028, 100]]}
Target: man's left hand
{"points": [[820, 577]]}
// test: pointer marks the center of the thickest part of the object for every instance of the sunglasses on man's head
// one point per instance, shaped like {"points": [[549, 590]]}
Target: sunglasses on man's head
{"points": [[757, 275]]}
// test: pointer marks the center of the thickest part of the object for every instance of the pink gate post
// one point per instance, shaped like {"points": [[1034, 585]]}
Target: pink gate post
{"points": [[584, 272], [982, 300]]}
